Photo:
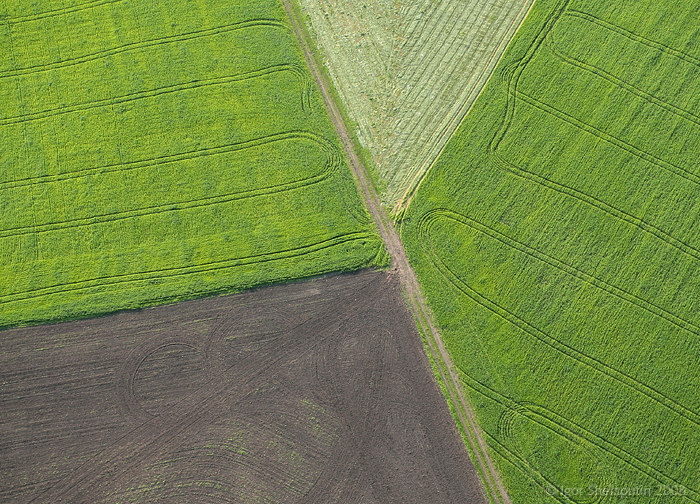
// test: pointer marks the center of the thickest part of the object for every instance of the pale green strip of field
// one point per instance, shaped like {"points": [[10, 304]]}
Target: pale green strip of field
{"points": [[408, 72]]}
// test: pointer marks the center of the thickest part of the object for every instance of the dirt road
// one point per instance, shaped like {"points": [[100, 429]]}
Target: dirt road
{"points": [[408, 278]]}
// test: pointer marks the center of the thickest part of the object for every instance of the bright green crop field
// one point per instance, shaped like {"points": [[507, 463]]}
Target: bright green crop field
{"points": [[152, 151], [558, 241]]}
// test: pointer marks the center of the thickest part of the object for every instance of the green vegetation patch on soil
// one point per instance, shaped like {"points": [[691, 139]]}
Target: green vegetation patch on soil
{"points": [[557, 239], [154, 151]]}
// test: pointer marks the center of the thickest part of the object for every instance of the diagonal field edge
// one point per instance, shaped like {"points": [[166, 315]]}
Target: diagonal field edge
{"points": [[407, 277]]}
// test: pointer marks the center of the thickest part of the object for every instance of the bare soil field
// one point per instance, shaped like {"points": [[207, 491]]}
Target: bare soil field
{"points": [[312, 392]]}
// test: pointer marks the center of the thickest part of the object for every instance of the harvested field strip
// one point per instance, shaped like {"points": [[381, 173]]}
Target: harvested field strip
{"points": [[449, 55], [425, 80], [135, 46], [599, 366], [575, 433], [422, 66], [649, 306], [173, 206], [295, 70], [145, 276], [57, 12]]}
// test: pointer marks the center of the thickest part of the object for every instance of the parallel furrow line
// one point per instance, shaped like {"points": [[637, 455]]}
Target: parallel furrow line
{"points": [[512, 73], [328, 168], [566, 268], [608, 138], [184, 270], [58, 12], [256, 23], [633, 36], [597, 203], [552, 342], [524, 466], [174, 88], [323, 143], [582, 65], [567, 429]]}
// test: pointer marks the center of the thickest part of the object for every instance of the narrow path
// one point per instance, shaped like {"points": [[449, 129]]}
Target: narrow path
{"points": [[409, 282]]}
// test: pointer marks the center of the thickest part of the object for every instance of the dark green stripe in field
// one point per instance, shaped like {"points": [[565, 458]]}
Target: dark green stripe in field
{"points": [[155, 151], [558, 242]]}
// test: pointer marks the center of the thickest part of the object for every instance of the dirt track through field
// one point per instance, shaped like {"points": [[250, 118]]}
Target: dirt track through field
{"points": [[304, 393], [408, 279]]}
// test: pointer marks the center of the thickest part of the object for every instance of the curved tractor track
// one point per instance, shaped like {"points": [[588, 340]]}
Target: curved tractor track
{"points": [[304, 393], [409, 282]]}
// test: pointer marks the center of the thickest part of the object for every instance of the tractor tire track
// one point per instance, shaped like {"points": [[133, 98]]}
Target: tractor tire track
{"points": [[551, 341], [406, 275]]}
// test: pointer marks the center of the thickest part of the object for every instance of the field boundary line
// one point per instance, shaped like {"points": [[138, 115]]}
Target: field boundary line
{"points": [[58, 12], [400, 262], [253, 23], [143, 276], [551, 341], [552, 261]]}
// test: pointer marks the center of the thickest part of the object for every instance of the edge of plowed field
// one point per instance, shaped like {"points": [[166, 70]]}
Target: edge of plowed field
{"points": [[447, 375]]}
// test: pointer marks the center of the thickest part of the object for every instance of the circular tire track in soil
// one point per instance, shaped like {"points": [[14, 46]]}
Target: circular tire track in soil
{"points": [[302, 392], [159, 373]]}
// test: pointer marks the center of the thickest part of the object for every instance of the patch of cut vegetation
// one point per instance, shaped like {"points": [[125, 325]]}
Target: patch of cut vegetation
{"points": [[558, 240], [408, 72], [155, 151]]}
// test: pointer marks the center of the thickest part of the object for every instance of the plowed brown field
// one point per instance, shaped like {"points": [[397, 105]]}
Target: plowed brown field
{"points": [[313, 392]]}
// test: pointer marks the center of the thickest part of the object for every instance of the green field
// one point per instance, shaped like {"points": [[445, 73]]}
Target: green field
{"points": [[155, 151], [557, 239], [408, 71]]}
